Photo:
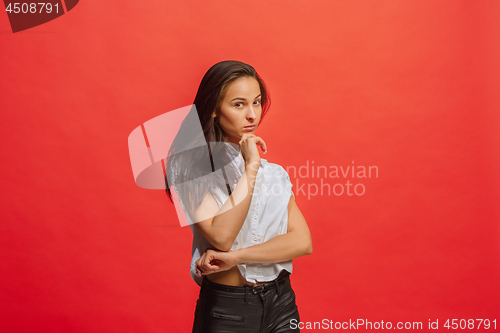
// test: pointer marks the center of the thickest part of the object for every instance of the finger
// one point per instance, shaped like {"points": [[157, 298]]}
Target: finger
{"points": [[197, 263], [214, 269], [211, 267], [201, 264], [200, 268], [200, 271], [207, 273], [244, 137], [215, 262], [265, 147], [262, 144], [207, 265]]}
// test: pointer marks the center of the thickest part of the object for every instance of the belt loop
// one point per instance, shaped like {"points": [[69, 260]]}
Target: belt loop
{"points": [[277, 287], [246, 294]]}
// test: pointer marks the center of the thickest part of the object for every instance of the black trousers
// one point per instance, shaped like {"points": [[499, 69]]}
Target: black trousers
{"points": [[267, 308]]}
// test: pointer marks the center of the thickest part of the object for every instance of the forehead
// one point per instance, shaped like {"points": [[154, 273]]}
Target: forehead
{"points": [[246, 87]]}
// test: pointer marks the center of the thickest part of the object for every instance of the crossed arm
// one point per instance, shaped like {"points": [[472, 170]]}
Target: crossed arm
{"points": [[220, 226], [295, 243]]}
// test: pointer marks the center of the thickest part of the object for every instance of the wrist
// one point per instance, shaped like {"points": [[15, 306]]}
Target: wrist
{"points": [[253, 165], [239, 255]]}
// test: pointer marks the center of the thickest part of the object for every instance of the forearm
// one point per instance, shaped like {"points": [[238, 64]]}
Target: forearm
{"points": [[280, 248], [227, 223]]}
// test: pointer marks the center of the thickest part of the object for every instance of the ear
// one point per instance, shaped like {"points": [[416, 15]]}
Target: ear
{"points": [[214, 114]]}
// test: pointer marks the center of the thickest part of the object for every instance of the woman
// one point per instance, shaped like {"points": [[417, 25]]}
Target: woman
{"points": [[246, 225]]}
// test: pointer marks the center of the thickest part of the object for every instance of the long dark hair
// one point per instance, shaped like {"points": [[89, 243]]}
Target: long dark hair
{"points": [[188, 158]]}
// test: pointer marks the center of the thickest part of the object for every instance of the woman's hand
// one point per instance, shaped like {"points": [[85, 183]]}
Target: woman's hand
{"points": [[248, 145], [213, 261]]}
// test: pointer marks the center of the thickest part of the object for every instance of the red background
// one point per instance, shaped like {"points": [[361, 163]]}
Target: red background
{"points": [[408, 86]]}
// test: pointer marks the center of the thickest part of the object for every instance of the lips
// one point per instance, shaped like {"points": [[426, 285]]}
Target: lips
{"points": [[250, 127]]}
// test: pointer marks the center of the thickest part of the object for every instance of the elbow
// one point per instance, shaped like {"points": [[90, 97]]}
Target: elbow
{"points": [[219, 238], [224, 247], [223, 243], [308, 250]]}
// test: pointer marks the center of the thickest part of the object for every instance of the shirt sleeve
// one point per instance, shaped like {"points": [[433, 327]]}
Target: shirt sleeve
{"points": [[289, 183]]}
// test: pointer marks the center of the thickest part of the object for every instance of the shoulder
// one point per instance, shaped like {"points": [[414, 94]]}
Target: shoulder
{"points": [[277, 182], [276, 177], [274, 169]]}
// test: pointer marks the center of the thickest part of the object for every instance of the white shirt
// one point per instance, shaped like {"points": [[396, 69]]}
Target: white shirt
{"points": [[267, 217]]}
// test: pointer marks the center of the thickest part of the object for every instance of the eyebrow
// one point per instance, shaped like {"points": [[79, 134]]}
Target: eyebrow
{"points": [[244, 99]]}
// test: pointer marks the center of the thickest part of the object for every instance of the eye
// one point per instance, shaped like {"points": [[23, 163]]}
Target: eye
{"points": [[238, 104], [257, 102]]}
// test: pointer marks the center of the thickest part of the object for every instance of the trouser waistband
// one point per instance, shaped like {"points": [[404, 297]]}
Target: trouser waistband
{"points": [[282, 279]]}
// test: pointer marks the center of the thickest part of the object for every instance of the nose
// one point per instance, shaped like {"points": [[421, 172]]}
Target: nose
{"points": [[251, 114]]}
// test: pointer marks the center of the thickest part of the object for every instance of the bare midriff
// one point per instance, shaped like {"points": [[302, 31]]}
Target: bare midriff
{"points": [[231, 277]]}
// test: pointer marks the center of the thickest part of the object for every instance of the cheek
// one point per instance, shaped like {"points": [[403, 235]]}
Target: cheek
{"points": [[228, 123], [233, 120]]}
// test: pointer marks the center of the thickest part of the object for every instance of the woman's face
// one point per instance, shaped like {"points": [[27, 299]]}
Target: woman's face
{"points": [[239, 108]]}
